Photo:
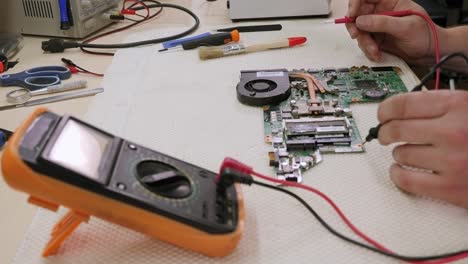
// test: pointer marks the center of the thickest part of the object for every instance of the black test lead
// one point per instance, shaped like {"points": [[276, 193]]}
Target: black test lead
{"points": [[373, 134]]}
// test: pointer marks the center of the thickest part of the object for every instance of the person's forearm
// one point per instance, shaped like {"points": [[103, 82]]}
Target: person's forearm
{"points": [[455, 40]]}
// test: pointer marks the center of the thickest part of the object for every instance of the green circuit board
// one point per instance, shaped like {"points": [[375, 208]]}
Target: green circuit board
{"points": [[350, 85], [300, 133]]}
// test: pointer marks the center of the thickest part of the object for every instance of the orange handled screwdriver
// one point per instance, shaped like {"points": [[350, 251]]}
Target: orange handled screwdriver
{"points": [[211, 40]]}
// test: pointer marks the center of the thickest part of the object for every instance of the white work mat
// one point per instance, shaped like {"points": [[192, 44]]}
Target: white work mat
{"points": [[187, 108]]}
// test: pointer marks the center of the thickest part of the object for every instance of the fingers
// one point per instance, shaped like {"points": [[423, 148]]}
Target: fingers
{"points": [[353, 7], [416, 105], [369, 46], [418, 182], [351, 27], [357, 8], [366, 9], [352, 30], [396, 26], [429, 184], [416, 131], [419, 156], [450, 164]]}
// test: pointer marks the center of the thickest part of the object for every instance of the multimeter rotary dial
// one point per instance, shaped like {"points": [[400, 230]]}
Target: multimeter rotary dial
{"points": [[163, 179]]}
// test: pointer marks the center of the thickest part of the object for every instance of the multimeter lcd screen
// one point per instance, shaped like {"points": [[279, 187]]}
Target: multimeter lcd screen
{"points": [[80, 148]]}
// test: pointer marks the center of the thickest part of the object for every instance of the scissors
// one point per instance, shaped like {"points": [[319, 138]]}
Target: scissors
{"points": [[36, 78]]}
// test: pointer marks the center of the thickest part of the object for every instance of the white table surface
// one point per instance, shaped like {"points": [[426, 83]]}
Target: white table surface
{"points": [[16, 213]]}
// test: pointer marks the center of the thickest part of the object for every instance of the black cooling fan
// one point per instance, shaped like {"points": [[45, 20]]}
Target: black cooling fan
{"points": [[258, 88]]}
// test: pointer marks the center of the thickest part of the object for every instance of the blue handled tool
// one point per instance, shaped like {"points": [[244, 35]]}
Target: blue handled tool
{"points": [[2, 139], [36, 78], [177, 42], [4, 136]]}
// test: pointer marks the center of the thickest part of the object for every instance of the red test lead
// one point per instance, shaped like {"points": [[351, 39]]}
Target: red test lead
{"points": [[347, 20], [233, 171], [402, 13]]}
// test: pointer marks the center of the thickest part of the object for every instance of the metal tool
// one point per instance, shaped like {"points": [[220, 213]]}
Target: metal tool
{"points": [[23, 95], [56, 98], [36, 78]]}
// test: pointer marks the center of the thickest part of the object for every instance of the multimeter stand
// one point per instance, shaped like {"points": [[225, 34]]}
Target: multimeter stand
{"points": [[63, 228]]}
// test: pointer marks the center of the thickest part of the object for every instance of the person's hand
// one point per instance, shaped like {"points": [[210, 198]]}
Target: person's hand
{"points": [[407, 37], [434, 127]]}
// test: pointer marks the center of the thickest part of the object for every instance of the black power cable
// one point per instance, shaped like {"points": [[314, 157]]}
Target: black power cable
{"points": [[355, 242], [59, 45], [135, 23], [438, 65]]}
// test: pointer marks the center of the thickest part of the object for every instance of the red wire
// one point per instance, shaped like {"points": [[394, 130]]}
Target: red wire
{"points": [[332, 204], [348, 222], [329, 201], [436, 42], [136, 2], [403, 13]]}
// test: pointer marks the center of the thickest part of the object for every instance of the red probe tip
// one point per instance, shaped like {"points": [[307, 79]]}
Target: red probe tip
{"points": [[402, 13], [345, 20], [297, 41]]}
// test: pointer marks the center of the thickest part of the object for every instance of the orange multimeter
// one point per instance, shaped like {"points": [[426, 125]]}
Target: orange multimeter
{"points": [[60, 160]]}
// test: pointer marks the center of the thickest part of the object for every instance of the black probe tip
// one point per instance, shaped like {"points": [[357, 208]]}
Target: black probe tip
{"points": [[373, 133]]}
